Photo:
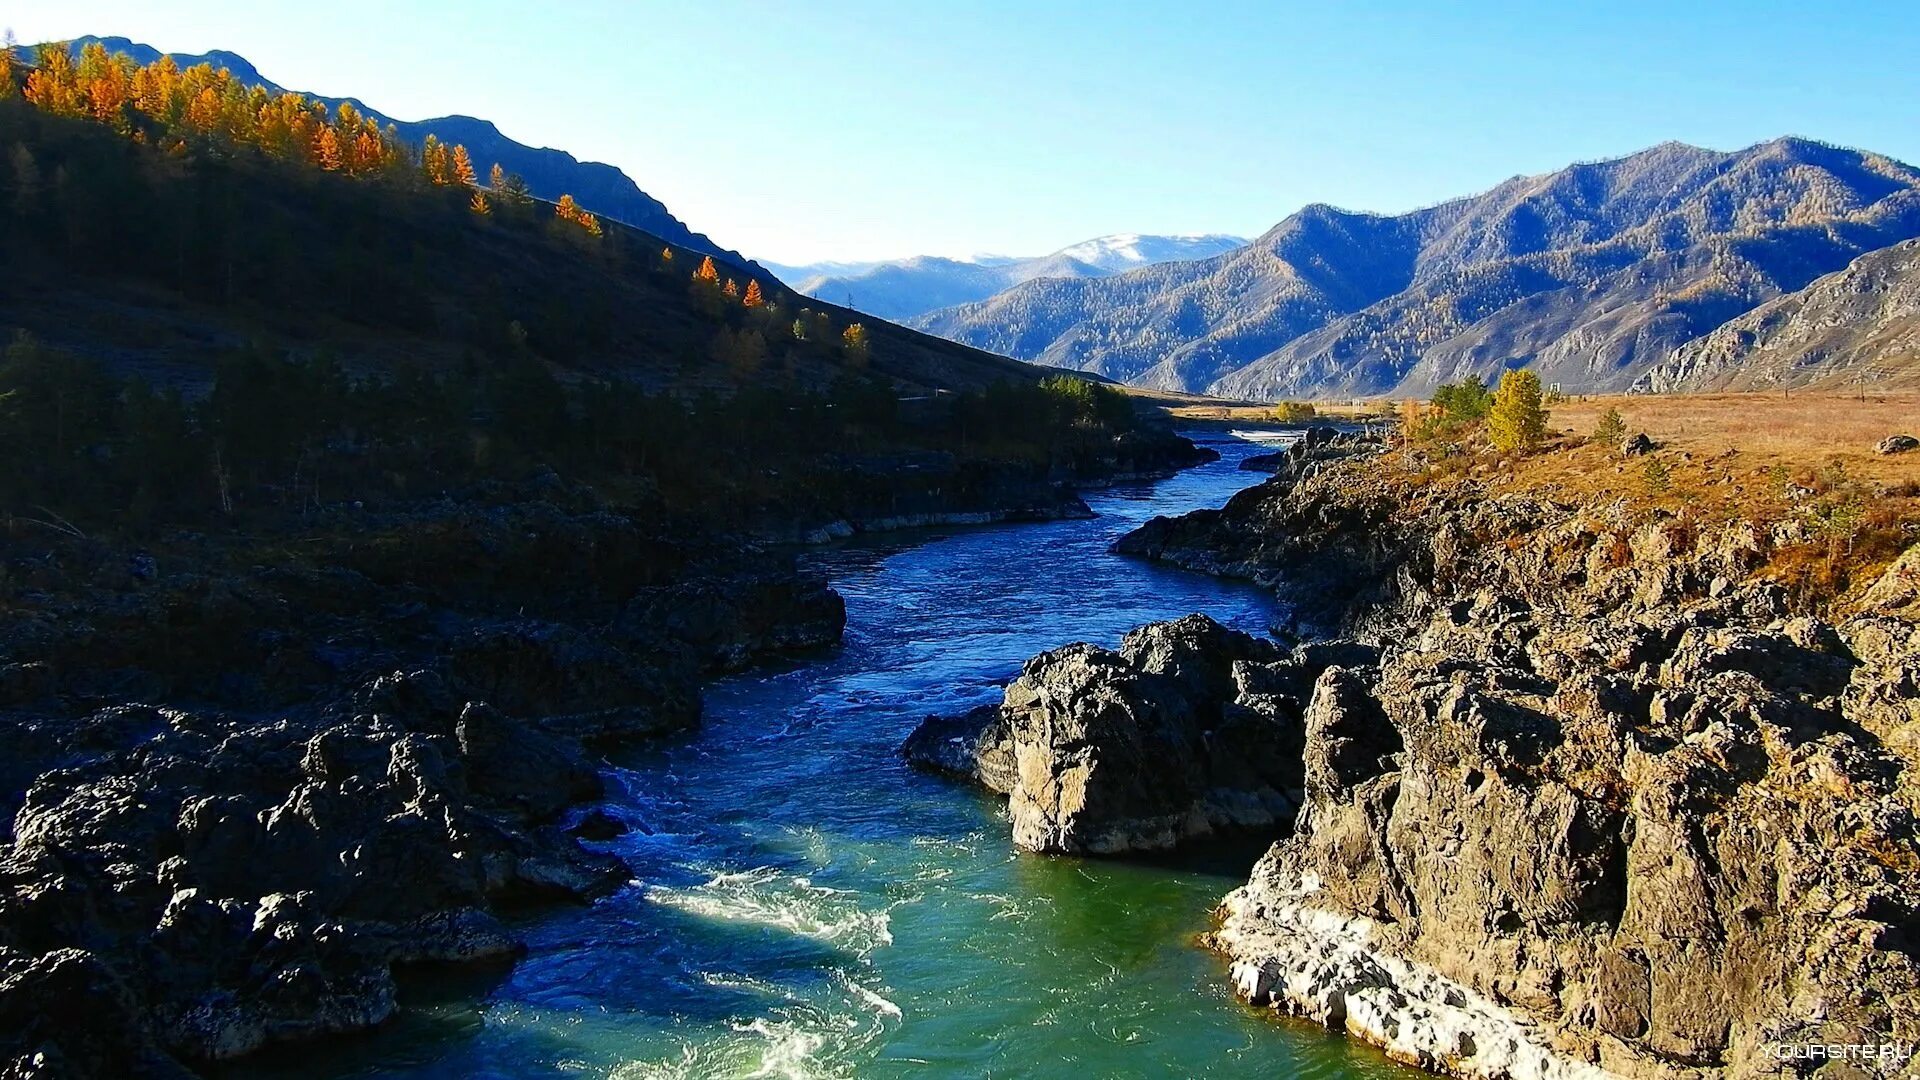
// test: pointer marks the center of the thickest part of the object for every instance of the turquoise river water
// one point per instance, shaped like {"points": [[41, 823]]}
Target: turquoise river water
{"points": [[804, 905]]}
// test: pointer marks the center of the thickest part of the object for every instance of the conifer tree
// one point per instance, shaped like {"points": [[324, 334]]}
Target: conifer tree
{"points": [[478, 204], [753, 299], [54, 86], [463, 168], [326, 150], [706, 288], [433, 161], [1517, 422], [496, 177], [9, 62], [513, 191], [569, 210], [731, 291]]}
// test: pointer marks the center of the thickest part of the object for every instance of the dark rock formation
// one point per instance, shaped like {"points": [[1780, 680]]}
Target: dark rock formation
{"points": [[1637, 444], [1896, 444], [1188, 728], [377, 755], [1316, 444], [975, 745]]}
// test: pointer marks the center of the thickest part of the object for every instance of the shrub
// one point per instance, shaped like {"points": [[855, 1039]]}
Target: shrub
{"points": [[1294, 412], [1467, 400], [1516, 422], [1655, 477], [1610, 429]]}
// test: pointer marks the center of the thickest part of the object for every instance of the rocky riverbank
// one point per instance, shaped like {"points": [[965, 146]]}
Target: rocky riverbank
{"points": [[1585, 789], [242, 795], [250, 776]]}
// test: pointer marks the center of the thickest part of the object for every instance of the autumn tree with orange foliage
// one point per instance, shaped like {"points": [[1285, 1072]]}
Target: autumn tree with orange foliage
{"points": [[463, 174], [54, 85], [856, 345], [202, 105], [753, 299], [569, 211], [326, 150], [9, 63], [705, 289]]}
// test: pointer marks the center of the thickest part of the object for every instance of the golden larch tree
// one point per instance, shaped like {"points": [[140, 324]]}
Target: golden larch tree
{"points": [[9, 62], [54, 86], [732, 291], [326, 150], [478, 204], [463, 168], [753, 299], [707, 271], [858, 346], [1517, 422]]}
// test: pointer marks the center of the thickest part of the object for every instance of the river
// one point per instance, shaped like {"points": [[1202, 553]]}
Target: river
{"points": [[806, 905]]}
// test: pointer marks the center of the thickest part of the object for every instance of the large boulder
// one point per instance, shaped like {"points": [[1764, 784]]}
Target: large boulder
{"points": [[1189, 727]]}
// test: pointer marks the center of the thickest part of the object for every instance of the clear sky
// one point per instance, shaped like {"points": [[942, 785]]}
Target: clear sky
{"points": [[869, 130]]}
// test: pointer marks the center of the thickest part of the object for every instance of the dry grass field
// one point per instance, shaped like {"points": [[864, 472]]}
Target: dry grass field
{"points": [[1193, 409], [1804, 429], [1802, 467]]}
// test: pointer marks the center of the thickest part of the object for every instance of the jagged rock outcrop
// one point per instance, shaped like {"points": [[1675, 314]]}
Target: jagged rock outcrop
{"points": [[1189, 727], [246, 882], [1606, 800]]}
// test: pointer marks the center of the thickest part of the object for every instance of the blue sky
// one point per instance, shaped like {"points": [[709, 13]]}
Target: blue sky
{"points": [[870, 130]]}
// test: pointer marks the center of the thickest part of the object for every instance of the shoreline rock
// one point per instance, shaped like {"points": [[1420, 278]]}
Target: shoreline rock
{"points": [[1600, 778], [1324, 966]]}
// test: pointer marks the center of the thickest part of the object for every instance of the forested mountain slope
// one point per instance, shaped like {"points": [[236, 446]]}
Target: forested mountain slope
{"points": [[1856, 327], [550, 173]]}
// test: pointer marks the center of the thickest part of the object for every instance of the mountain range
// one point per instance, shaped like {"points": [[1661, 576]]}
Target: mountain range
{"points": [[549, 174], [904, 288], [1593, 275]]}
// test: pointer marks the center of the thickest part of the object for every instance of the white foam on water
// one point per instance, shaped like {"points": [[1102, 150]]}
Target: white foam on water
{"points": [[765, 896], [881, 1006], [788, 1051], [1265, 435]]}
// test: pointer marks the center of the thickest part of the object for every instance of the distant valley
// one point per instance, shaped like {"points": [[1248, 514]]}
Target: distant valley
{"points": [[904, 288], [1593, 275]]}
